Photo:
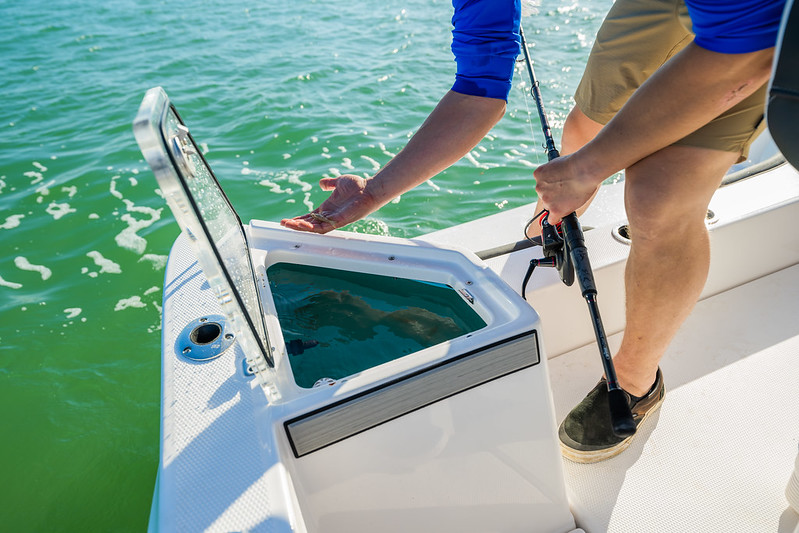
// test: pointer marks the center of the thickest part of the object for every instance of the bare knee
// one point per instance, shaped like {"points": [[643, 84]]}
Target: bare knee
{"points": [[658, 218]]}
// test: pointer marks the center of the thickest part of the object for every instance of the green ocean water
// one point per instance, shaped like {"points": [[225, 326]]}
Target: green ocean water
{"points": [[280, 94]]}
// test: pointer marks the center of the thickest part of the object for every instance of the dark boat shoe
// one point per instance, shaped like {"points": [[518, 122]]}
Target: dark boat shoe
{"points": [[586, 435]]}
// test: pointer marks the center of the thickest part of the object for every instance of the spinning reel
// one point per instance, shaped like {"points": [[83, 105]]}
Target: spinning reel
{"points": [[556, 252]]}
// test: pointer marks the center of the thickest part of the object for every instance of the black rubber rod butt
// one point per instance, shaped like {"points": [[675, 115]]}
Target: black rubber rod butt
{"points": [[620, 415]]}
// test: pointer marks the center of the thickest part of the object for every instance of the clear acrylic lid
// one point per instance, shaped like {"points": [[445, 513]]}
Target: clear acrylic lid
{"points": [[204, 212]]}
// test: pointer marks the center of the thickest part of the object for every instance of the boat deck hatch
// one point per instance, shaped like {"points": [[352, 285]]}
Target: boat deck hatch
{"points": [[337, 323], [344, 303]]}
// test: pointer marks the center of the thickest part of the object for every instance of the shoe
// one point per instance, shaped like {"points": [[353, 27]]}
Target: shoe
{"points": [[586, 435]]}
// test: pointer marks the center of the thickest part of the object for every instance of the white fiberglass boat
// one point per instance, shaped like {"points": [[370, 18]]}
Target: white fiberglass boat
{"points": [[348, 382], [443, 417]]}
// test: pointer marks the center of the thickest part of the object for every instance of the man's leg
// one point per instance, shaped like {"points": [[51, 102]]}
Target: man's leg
{"points": [[666, 198], [577, 131]]}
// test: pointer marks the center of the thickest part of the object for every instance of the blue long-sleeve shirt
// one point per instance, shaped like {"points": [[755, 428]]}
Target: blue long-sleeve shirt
{"points": [[735, 27], [486, 41]]}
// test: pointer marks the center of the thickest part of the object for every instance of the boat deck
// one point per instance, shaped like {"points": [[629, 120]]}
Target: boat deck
{"points": [[716, 457], [719, 453]]}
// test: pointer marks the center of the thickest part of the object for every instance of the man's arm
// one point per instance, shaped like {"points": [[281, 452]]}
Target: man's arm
{"points": [[455, 126], [689, 91]]}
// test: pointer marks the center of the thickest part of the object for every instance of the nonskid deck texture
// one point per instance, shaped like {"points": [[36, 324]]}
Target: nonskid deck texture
{"points": [[719, 453]]}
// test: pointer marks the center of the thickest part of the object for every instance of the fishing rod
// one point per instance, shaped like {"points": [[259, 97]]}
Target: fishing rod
{"points": [[569, 254]]}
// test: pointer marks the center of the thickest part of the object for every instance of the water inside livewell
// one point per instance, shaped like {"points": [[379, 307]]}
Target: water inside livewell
{"points": [[337, 323]]}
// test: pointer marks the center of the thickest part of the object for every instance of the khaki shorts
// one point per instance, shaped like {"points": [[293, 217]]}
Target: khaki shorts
{"points": [[635, 39]]}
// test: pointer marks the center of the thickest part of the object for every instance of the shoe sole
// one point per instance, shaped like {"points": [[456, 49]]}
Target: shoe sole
{"points": [[595, 456]]}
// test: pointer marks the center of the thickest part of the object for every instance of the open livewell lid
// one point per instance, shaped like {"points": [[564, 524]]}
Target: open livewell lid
{"points": [[206, 215]]}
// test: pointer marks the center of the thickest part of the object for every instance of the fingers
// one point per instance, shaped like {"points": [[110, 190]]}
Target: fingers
{"points": [[328, 184], [312, 222], [562, 188]]}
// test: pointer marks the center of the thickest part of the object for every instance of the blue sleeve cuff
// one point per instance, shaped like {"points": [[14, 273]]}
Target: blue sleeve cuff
{"points": [[731, 45], [491, 79]]}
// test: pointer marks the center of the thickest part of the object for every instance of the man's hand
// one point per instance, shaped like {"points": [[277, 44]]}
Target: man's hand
{"points": [[349, 201], [563, 187], [454, 127]]}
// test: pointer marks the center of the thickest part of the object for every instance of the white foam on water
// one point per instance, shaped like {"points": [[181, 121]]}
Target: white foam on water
{"points": [[158, 261], [294, 178], [23, 264], [9, 284], [71, 190], [472, 158], [286, 156], [93, 216], [41, 167], [112, 188], [133, 181], [37, 176], [433, 185], [274, 188], [385, 150], [133, 301], [373, 162], [2, 183], [106, 265], [128, 238], [11, 221], [307, 201], [347, 163], [72, 312], [59, 210], [151, 290], [44, 190], [85, 270]]}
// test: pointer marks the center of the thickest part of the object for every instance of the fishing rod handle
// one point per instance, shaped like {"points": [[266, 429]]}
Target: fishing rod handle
{"points": [[575, 242]]}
